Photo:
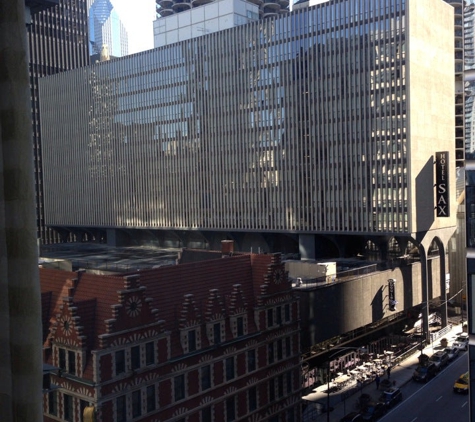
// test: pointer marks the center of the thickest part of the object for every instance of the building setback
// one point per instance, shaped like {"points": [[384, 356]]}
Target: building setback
{"points": [[207, 341]]}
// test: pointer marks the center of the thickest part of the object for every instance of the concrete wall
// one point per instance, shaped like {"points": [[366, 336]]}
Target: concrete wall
{"points": [[345, 306]]}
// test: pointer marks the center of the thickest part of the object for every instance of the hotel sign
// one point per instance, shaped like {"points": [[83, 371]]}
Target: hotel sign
{"points": [[442, 184], [392, 294]]}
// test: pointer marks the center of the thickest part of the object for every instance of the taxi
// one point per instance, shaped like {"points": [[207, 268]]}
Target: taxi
{"points": [[461, 385]]}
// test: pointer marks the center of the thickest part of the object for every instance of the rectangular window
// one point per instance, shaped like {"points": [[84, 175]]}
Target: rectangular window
{"points": [[252, 398], [135, 357], [280, 386], [82, 405], [151, 403], [230, 410], [179, 386], [280, 350], [287, 312], [289, 382], [53, 403], [290, 415], [278, 314], [150, 353], [191, 340], [230, 368], [71, 362], [119, 362], [270, 353], [271, 389], [205, 375], [207, 414], [62, 359], [217, 333], [121, 409], [68, 408], [251, 360], [288, 349], [270, 317], [136, 404], [240, 326]]}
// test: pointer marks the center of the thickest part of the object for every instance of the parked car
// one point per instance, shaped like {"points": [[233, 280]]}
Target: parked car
{"points": [[461, 342], [424, 373], [373, 411], [452, 352], [440, 359], [391, 397], [461, 385], [352, 417]]}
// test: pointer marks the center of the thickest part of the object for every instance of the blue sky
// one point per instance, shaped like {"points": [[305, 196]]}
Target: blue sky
{"points": [[137, 17]]}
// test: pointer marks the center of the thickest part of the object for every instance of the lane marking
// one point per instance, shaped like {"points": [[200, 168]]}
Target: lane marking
{"points": [[463, 405], [439, 398], [414, 419]]}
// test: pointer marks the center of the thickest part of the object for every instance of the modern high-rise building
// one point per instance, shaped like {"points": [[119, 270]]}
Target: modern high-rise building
{"points": [[267, 8], [106, 31], [314, 132], [58, 41]]}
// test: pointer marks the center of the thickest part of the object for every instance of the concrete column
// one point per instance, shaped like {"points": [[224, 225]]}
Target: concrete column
{"points": [[307, 246], [21, 363]]}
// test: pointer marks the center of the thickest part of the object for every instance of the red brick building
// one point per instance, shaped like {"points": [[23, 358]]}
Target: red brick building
{"points": [[214, 340]]}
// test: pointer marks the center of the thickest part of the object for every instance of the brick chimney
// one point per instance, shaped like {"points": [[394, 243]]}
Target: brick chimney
{"points": [[227, 247]]}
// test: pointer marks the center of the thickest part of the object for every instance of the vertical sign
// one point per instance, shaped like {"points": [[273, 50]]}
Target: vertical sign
{"points": [[442, 184], [391, 294]]}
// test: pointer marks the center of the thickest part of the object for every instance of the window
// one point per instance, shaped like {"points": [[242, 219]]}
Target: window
{"points": [[270, 352], [62, 359], [279, 349], [289, 382], [217, 333], [288, 349], [119, 362], [287, 312], [270, 317], [136, 404], [251, 360], [205, 376], [150, 353], [230, 409], [53, 403], [280, 386], [71, 362], [68, 408], [135, 357], [179, 386], [278, 315], [207, 414], [191, 341], [252, 399], [271, 389], [151, 403], [121, 409], [290, 415], [230, 368], [82, 405], [240, 326]]}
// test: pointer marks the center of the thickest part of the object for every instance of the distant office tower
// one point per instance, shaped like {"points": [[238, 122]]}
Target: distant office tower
{"points": [[313, 124], [106, 31], [267, 8], [57, 40]]}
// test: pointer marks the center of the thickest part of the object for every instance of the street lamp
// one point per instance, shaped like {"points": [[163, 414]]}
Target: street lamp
{"points": [[338, 349]]}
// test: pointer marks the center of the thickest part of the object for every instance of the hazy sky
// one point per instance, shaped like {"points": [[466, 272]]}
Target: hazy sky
{"points": [[137, 17]]}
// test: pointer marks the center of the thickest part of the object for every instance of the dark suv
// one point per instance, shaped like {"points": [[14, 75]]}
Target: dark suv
{"points": [[391, 397], [440, 359], [424, 373]]}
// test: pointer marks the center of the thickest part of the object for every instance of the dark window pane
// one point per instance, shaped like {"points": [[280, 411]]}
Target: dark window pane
{"points": [[252, 397], [288, 349], [205, 377], [270, 317], [119, 362], [151, 398], [229, 368], [280, 351], [280, 386], [136, 404], [82, 405], [217, 333], [271, 389], [251, 360], [240, 326], [135, 357], [71, 362], [62, 359], [150, 353], [287, 313], [206, 414], [278, 313], [191, 340], [53, 403], [230, 410], [270, 353], [68, 408], [179, 386], [121, 409]]}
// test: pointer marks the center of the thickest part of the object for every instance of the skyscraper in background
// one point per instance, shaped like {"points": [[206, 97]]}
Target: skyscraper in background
{"points": [[106, 31], [58, 41]]}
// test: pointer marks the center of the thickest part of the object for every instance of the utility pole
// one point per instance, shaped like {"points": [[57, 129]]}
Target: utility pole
{"points": [[20, 298]]}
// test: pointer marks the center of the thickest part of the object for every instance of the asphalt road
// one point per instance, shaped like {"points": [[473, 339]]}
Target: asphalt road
{"points": [[434, 401]]}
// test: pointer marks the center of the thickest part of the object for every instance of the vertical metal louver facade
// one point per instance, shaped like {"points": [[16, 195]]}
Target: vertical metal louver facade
{"points": [[57, 39], [295, 124]]}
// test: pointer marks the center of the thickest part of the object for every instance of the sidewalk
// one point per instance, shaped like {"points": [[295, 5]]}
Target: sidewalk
{"points": [[344, 401]]}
